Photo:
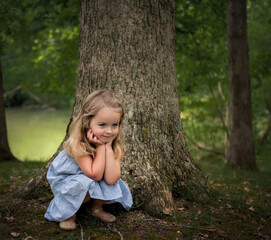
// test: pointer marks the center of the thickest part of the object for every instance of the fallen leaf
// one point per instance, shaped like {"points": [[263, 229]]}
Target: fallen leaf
{"points": [[15, 234], [12, 178], [167, 211], [181, 209], [246, 189], [249, 201], [252, 209], [10, 219], [229, 206]]}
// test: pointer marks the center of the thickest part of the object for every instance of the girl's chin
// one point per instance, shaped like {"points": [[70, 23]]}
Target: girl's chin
{"points": [[105, 140]]}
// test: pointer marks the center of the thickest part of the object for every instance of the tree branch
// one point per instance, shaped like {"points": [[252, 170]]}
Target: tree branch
{"points": [[12, 91], [220, 113], [206, 149]]}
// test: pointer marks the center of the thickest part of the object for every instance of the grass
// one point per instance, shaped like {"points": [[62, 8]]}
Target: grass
{"points": [[34, 134], [239, 208]]}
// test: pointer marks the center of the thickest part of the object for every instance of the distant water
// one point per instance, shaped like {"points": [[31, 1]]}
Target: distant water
{"points": [[35, 134]]}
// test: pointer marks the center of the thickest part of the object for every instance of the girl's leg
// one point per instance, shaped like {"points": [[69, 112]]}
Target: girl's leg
{"points": [[69, 224], [97, 211], [96, 204], [87, 198]]}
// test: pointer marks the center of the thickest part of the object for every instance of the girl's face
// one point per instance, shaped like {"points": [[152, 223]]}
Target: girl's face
{"points": [[105, 124]]}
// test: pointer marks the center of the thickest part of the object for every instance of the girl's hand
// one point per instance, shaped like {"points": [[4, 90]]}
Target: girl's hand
{"points": [[93, 139]]}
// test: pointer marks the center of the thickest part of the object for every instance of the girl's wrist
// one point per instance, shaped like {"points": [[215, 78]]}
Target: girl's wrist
{"points": [[108, 146], [100, 146]]}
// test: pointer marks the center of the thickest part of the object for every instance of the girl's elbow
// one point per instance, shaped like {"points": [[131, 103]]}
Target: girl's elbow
{"points": [[111, 181], [95, 177]]}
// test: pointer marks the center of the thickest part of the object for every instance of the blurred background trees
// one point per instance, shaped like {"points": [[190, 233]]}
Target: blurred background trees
{"points": [[39, 42], [202, 71]]}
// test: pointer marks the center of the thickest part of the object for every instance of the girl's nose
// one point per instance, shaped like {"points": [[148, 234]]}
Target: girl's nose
{"points": [[109, 130]]}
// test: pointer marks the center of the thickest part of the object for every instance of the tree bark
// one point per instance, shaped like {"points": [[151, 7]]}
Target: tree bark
{"points": [[241, 152], [128, 47], [5, 153]]}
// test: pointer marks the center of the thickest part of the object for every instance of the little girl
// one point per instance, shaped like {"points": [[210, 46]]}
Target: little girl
{"points": [[88, 169]]}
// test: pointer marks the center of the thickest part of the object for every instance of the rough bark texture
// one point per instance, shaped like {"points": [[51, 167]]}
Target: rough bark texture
{"points": [[5, 153], [241, 152], [128, 47]]}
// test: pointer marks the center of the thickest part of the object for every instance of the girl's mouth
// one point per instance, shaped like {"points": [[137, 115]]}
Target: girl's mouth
{"points": [[106, 136]]}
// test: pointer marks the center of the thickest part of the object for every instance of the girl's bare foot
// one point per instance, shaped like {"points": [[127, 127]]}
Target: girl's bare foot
{"points": [[104, 216], [68, 224]]}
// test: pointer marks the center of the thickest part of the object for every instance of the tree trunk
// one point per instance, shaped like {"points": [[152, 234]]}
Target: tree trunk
{"points": [[241, 152], [128, 47], [5, 153]]}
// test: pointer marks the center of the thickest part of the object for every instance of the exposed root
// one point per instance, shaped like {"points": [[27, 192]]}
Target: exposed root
{"points": [[114, 230]]}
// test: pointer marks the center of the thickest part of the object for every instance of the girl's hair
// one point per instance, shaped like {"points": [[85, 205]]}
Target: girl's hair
{"points": [[77, 143]]}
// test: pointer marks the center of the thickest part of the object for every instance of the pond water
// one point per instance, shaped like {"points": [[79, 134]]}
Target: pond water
{"points": [[35, 134]]}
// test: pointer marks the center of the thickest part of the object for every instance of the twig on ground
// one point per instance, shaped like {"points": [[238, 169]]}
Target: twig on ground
{"points": [[196, 228], [9, 213], [82, 232], [114, 230], [29, 238]]}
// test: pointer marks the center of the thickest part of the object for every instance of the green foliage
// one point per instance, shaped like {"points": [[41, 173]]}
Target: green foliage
{"points": [[56, 64], [201, 62], [40, 48], [202, 68], [260, 68], [40, 52]]}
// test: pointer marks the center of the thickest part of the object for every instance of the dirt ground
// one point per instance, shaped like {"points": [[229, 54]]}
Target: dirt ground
{"points": [[23, 219]]}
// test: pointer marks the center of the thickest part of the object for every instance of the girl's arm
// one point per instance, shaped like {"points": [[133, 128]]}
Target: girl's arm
{"points": [[112, 165], [93, 168]]}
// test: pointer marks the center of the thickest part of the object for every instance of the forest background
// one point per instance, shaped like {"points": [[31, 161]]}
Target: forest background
{"points": [[39, 56]]}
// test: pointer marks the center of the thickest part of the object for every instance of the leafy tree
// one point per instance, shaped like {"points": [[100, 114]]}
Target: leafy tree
{"points": [[201, 54], [259, 23], [50, 46], [9, 31], [16, 42], [202, 71]]}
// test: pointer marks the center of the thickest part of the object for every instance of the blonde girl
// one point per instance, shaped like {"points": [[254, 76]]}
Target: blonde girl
{"points": [[88, 169]]}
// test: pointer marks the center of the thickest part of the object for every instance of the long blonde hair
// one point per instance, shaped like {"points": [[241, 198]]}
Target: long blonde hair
{"points": [[77, 143]]}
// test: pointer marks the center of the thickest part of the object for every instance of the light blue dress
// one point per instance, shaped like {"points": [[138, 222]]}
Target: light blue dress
{"points": [[70, 185]]}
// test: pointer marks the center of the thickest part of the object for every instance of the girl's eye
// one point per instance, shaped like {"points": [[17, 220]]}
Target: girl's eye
{"points": [[115, 125], [102, 125]]}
